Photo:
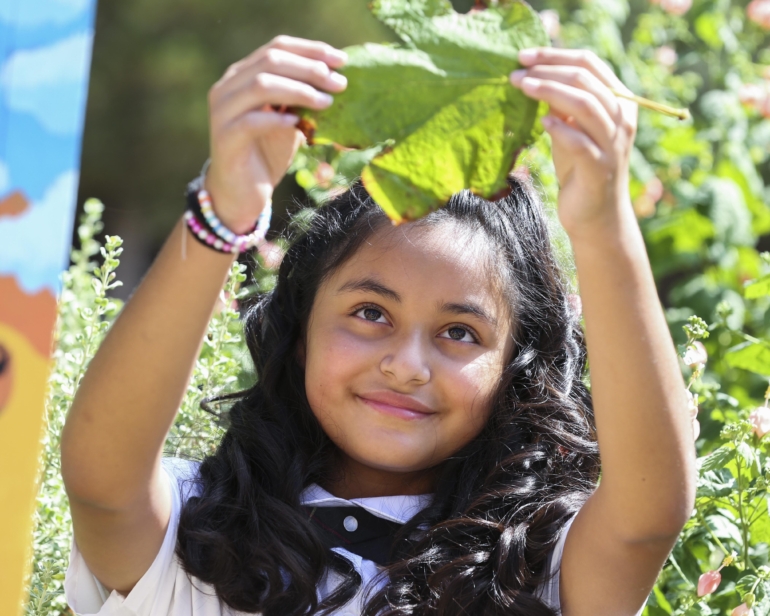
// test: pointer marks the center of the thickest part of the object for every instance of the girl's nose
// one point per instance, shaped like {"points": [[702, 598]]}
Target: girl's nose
{"points": [[407, 361]]}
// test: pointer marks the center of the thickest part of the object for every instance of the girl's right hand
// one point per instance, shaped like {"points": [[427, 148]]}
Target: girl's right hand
{"points": [[253, 140]]}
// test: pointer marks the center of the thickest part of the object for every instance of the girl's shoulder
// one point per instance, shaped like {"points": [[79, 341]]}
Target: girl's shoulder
{"points": [[185, 476], [165, 587]]}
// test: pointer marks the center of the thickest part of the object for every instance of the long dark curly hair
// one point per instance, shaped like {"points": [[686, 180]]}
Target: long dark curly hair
{"points": [[500, 503]]}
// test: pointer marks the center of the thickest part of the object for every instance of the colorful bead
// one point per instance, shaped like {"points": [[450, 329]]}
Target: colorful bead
{"points": [[230, 240]]}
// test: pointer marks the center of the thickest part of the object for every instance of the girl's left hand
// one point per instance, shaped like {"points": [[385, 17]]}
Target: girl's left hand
{"points": [[592, 132]]}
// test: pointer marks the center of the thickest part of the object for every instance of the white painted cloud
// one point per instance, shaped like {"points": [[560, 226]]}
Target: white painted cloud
{"points": [[34, 246], [49, 82], [5, 177], [34, 13]]}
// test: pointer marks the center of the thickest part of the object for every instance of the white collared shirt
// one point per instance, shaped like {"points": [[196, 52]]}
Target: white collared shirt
{"points": [[166, 590]]}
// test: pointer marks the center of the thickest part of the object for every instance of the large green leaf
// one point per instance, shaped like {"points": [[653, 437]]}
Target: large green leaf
{"points": [[757, 288], [442, 96], [752, 356], [717, 459]]}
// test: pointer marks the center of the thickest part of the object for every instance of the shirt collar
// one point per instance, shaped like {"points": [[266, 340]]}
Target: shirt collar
{"points": [[400, 508]]}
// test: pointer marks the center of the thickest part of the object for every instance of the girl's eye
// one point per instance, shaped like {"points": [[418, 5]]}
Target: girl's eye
{"points": [[461, 334], [369, 313]]}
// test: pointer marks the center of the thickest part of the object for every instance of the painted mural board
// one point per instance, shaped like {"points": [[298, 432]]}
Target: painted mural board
{"points": [[45, 58]]}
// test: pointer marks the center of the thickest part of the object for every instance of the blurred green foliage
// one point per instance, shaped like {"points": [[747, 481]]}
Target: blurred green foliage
{"points": [[700, 189]]}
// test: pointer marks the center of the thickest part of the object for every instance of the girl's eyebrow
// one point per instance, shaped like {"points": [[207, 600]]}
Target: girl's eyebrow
{"points": [[371, 285], [469, 308], [374, 286]]}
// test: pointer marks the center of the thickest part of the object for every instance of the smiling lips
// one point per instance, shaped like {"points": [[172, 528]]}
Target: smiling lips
{"points": [[397, 405]]}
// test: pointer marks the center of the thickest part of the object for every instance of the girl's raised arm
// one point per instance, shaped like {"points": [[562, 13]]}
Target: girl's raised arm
{"points": [[113, 438], [623, 534]]}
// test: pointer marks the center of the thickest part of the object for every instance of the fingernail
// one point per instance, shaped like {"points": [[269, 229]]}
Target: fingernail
{"points": [[337, 54], [517, 76], [527, 55], [530, 84], [338, 80], [322, 98], [289, 119]]}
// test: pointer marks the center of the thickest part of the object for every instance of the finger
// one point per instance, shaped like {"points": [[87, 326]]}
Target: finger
{"points": [[286, 64], [570, 144], [314, 50], [574, 57], [588, 112], [268, 89], [317, 50], [571, 139], [256, 123], [575, 76]]}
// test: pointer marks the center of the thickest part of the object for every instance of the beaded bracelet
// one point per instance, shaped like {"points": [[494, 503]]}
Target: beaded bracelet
{"points": [[210, 231], [251, 239], [238, 243]]}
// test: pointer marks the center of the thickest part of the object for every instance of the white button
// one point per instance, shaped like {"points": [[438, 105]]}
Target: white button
{"points": [[350, 523]]}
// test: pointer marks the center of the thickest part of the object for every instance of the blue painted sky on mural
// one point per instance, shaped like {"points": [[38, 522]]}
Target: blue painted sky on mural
{"points": [[44, 68]]}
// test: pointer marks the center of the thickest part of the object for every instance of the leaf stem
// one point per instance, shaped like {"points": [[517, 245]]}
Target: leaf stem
{"points": [[679, 570], [744, 523], [711, 532], [682, 114]]}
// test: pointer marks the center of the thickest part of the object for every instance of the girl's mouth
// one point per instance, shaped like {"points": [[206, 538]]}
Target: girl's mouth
{"points": [[396, 405]]}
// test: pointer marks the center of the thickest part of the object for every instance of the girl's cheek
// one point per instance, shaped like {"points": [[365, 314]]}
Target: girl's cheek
{"points": [[475, 384], [336, 352]]}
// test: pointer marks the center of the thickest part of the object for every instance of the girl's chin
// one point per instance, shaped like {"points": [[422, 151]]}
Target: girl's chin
{"points": [[393, 457]]}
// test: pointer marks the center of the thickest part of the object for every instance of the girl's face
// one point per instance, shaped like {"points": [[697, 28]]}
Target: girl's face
{"points": [[405, 345]]}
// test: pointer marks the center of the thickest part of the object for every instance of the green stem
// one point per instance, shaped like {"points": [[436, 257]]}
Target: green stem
{"points": [[711, 532], [749, 338], [744, 524], [679, 570], [756, 583]]}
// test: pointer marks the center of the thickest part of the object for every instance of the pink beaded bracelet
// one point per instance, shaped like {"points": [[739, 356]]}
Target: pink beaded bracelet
{"points": [[213, 233], [205, 236], [251, 239]]}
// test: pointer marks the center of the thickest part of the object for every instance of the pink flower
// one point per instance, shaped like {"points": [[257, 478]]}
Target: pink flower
{"points": [[654, 189], [271, 253], [758, 11], [550, 19], [760, 420], [708, 582], [752, 94], [644, 204], [665, 55], [695, 354], [324, 174], [676, 7], [764, 108], [695, 429], [742, 610]]}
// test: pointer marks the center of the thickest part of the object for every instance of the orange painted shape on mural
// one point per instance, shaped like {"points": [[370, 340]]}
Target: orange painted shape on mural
{"points": [[33, 316], [14, 204]]}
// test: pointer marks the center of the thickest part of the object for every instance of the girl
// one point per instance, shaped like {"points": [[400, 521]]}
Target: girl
{"points": [[420, 440]]}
